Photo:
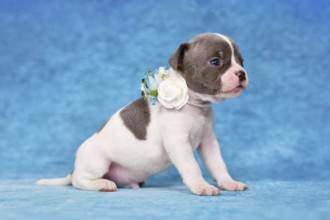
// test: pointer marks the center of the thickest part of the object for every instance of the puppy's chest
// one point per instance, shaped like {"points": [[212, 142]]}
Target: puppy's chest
{"points": [[196, 129], [190, 123]]}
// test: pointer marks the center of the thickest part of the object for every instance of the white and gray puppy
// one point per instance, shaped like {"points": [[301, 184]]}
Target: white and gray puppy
{"points": [[141, 139]]}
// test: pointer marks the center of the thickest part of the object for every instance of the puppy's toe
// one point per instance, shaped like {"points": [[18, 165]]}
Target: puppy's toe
{"points": [[232, 185], [108, 186], [206, 190]]}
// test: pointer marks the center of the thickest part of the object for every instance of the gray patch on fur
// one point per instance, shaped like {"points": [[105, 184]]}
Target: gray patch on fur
{"points": [[192, 59], [136, 117]]}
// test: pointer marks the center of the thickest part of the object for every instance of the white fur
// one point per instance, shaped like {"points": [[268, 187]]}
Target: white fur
{"points": [[172, 137]]}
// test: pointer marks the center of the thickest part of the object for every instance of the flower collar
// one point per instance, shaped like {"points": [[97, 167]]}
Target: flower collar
{"points": [[171, 92]]}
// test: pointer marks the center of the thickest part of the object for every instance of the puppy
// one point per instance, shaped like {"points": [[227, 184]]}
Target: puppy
{"points": [[145, 137]]}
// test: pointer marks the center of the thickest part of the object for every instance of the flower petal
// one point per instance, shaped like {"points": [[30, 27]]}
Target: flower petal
{"points": [[173, 93]]}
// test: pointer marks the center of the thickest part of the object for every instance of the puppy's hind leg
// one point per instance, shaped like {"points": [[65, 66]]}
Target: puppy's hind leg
{"points": [[90, 167]]}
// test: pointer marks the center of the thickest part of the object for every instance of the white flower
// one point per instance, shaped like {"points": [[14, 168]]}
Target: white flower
{"points": [[162, 72], [151, 82], [170, 92], [173, 93], [158, 79]]}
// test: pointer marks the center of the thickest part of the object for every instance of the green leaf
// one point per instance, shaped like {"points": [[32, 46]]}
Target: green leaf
{"points": [[154, 93]]}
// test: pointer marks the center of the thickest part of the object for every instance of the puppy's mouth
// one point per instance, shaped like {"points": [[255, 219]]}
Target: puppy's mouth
{"points": [[236, 90]]}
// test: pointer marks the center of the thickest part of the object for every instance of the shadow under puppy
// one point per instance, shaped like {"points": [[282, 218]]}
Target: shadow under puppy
{"points": [[165, 127]]}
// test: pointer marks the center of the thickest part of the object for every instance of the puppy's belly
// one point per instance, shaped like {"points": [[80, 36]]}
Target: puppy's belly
{"points": [[124, 177], [129, 178], [121, 176]]}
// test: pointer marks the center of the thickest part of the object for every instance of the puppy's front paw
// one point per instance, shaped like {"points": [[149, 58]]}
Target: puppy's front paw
{"points": [[205, 189], [232, 185]]}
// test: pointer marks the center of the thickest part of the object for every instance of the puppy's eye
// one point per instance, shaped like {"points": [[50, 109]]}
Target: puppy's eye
{"points": [[215, 62]]}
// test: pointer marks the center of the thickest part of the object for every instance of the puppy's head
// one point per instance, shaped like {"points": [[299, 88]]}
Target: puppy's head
{"points": [[212, 66]]}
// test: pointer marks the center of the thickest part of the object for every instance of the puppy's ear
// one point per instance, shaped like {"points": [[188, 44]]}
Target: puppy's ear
{"points": [[176, 60]]}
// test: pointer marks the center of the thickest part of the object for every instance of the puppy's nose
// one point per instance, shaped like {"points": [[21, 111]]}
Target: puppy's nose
{"points": [[241, 75]]}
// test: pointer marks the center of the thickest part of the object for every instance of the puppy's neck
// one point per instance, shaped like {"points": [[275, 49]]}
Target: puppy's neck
{"points": [[196, 99]]}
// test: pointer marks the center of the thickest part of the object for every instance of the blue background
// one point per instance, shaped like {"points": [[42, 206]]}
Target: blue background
{"points": [[66, 66]]}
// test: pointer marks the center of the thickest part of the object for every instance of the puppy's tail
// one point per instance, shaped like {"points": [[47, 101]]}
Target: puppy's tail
{"points": [[65, 181]]}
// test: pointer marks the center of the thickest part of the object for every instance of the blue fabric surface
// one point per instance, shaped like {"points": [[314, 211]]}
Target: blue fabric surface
{"points": [[264, 200], [66, 66]]}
